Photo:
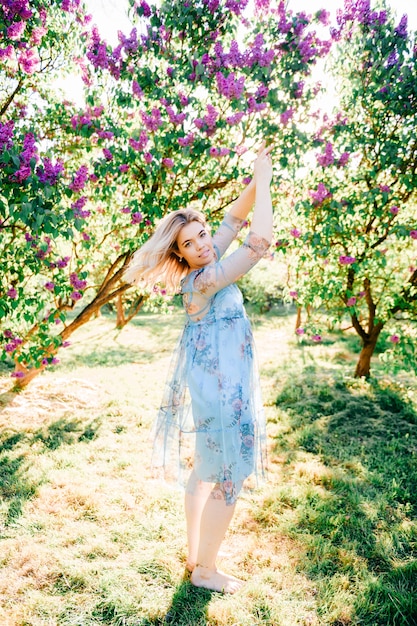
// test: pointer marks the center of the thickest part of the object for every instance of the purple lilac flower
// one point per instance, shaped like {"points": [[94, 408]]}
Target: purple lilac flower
{"points": [[137, 217], [321, 194], [50, 286], [316, 338], [235, 118], [394, 339], [12, 293], [63, 262], [346, 260], [107, 154], [76, 295], [175, 118], [300, 331], [141, 143], [148, 157], [211, 116], [187, 140], [15, 30], [401, 29], [394, 210], [76, 282], [323, 17], [230, 86], [295, 233], [351, 301], [18, 374], [123, 168], [153, 121], [37, 35], [30, 150], [385, 188], [29, 61], [343, 159], [80, 178], [168, 163], [327, 158], [22, 173], [78, 208], [392, 59], [144, 9], [125, 209], [413, 234], [286, 116], [49, 172]]}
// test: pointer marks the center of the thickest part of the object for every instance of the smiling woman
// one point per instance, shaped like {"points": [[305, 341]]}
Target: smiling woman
{"points": [[212, 409], [195, 246]]}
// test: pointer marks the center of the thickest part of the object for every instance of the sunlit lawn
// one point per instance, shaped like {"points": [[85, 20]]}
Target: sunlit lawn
{"points": [[88, 537]]}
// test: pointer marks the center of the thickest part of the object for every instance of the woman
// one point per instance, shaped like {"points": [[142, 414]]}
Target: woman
{"points": [[213, 366]]}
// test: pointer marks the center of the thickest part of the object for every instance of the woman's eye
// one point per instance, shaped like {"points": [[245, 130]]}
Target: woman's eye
{"points": [[203, 234]]}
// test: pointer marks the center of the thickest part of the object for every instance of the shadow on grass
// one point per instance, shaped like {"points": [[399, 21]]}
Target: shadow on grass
{"points": [[16, 485], [350, 449], [188, 607]]}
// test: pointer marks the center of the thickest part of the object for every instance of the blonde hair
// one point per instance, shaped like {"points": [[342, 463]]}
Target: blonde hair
{"points": [[157, 260]]}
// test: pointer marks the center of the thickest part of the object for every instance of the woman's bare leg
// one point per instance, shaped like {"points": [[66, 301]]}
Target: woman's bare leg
{"points": [[196, 496], [215, 519]]}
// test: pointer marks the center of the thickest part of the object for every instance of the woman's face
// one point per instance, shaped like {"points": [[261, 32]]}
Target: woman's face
{"points": [[195, 245]]}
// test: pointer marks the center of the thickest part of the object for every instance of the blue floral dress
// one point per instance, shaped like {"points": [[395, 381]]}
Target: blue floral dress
{"points": [[211, 418]]}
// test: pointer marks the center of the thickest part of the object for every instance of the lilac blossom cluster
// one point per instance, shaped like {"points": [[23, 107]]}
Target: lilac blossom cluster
{"points": [[47, 171], [79, 179], [360, 11], [321, 194], [28, 155], [328, 157], [78, 285], [26, 27], [13, 341]]}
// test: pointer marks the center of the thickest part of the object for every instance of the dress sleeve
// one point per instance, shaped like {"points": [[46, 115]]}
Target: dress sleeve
{"points": [[226, 233], [215, 277]]}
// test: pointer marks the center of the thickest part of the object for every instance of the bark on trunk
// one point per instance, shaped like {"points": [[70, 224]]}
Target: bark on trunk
{"points": [[298, 318], [120, 313], [363, 366], [108, 292]]}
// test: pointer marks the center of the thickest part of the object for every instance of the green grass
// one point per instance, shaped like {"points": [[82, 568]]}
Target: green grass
{"points": [[89, 537]]}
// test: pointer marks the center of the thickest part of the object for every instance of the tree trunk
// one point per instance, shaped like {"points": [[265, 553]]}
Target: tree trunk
{"points": [[298, 318], [125, 316], [363, 366], [108, 291], [120, 312]]}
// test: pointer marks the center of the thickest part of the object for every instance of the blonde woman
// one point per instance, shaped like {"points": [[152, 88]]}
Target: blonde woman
{"points": [[212, 396]]}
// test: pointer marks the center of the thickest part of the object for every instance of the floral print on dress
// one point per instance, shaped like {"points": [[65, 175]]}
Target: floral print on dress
{"points": [[212, 409]]}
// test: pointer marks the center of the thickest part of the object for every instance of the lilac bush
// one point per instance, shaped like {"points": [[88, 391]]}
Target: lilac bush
{"points": [[357, 255], [171, 112]]}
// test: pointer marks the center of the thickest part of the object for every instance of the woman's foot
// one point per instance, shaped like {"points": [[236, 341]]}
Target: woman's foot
{"points": [[215, 580], [189, 566]]}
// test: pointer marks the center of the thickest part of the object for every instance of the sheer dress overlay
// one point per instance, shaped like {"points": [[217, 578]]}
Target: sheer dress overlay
{"points": [[211, 418]]}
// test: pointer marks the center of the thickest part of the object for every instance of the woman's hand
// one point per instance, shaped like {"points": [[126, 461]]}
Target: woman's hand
{"points": [[262, 168]]}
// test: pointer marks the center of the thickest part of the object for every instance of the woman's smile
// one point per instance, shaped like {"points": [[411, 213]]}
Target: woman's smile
{"points": [[195, 245]]}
